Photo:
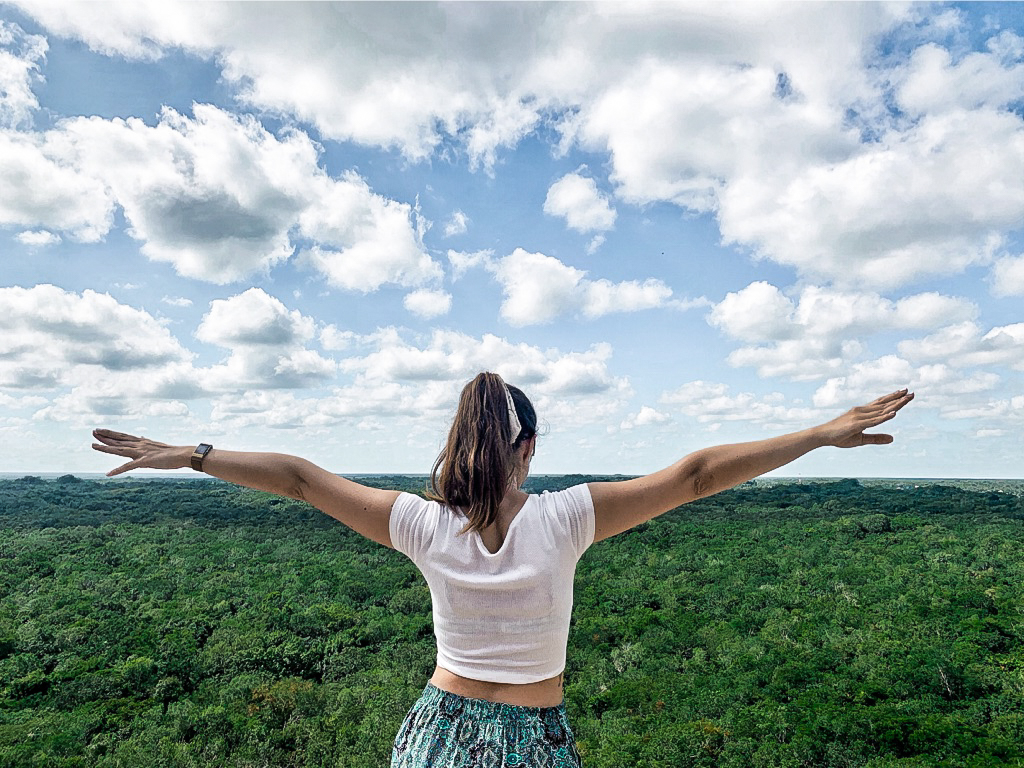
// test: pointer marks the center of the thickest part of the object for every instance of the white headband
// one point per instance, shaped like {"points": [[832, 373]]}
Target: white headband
{"points": [[513, 417]]}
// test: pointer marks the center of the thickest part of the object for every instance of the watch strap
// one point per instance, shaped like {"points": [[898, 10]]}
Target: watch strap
{"points": [[199, 454]]}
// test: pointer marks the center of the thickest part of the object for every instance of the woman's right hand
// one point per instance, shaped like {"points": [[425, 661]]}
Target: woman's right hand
{"points": [[143, 452]]}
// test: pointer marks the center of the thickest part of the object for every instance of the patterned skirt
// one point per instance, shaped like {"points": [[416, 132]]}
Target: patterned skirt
{"points": [[445, 730]]}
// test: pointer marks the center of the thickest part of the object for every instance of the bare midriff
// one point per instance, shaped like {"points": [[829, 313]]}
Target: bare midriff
{"points": [[544, 693]]}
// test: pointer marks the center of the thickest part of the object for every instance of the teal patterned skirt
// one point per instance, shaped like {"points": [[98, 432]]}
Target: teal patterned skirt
{"points": [[445, 730]]}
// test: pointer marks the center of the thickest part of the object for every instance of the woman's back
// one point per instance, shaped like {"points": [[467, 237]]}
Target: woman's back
{"points": [[500, 616]]}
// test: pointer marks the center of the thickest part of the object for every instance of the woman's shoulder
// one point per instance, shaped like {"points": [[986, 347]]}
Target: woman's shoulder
{"points": [[571, 511], [575, 495]]}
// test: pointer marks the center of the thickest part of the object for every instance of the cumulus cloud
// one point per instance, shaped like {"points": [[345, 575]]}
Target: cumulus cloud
{"points": [[712, 403], [405, 95], [419, 382], [965, 344], [938, 385], [113, 358], [539, 288], [20, 57], [48, 332], [931, 199], [177, 301], [267, 342], [723, 109], [646, 416], [368, 240], [51, 192], [217, 196], [428, 304], [822, 331], [463, 261], [1007, 276], [457, 224], [998, 412], [932, 82], [577, 199], [37, 239]]}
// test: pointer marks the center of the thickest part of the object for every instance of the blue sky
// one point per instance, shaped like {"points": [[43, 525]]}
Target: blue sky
{"points": [[302, 227]]}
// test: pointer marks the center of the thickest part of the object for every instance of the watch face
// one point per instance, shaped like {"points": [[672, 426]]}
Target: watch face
{"points": [[202, 449]]}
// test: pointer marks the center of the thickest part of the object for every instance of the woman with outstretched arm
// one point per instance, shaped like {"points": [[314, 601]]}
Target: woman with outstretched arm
{"points": [[499, 562]]}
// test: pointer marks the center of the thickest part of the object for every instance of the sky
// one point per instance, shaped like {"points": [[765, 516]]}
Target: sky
{"points": [[303, 227]]}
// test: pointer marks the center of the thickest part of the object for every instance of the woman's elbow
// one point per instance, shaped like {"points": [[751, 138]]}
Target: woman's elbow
{"points": [[696, 478]]}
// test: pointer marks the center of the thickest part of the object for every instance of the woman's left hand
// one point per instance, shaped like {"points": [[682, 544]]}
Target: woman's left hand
{"points": [[143, 452]]}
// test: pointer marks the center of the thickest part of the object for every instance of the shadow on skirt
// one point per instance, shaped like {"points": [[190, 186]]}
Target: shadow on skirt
{"points": [[445, 730]]}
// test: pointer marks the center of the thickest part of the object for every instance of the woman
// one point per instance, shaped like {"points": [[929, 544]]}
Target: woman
{"points": [[499, 562]]}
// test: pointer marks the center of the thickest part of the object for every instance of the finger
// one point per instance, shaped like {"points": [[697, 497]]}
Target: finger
{"points": [[890, 409], [108, 449], [887, 405], [125, 468], [111, 434], [878, 439], [115, 438], [885, 399]]}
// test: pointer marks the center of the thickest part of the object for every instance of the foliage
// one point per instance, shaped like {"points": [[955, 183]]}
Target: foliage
{"points": [[193, 623]]}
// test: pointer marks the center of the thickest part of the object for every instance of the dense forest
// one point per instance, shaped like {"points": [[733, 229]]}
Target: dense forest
{"points": [[193, 623]]}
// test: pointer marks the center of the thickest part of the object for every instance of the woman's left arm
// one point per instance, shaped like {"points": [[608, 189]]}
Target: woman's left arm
{"points": [[363, 509]]}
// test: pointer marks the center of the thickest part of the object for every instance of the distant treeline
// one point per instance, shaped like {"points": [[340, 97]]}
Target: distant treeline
{"points": [[829, 625]]}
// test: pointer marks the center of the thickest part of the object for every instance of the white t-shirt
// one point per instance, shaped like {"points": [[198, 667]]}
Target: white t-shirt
{"points": [[501, 617]]}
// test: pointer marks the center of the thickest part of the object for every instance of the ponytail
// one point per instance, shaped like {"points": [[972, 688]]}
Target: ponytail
{"points": [[477, 464]]}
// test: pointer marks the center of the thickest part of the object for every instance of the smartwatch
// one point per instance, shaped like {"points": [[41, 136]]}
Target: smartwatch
{"points": [[199, 454]]}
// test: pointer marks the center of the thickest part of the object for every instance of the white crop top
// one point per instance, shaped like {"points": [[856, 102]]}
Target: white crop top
{"points": [[501, 617]]}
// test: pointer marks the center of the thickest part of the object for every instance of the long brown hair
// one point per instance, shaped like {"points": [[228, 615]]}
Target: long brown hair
{"points": [[477, 464]]}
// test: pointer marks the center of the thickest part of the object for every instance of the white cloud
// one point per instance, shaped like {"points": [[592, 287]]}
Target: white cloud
{"points": [[84, 405], [457, 357], [539, 288], [20, 56], [577, 199], [47, 334], [933, 199], [428, 304], [646, 416], [463, 261], [931, 82], [177, 301], [400, 381], [712, 403], [758, 312], [12, 402], [1007, 276], [404, 83], [484, 74], [368, 239], [964, 344], [936, 385], [217, 196], [1007, 46], [51, 193], [457, 224], [720, 108], [267, 343], [822, 332], [37, 239], [332, 337], [114, 358]]}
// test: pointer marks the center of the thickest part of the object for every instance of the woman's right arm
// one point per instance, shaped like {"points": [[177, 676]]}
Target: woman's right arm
{"points": [[624, 505], [363, 509]]}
